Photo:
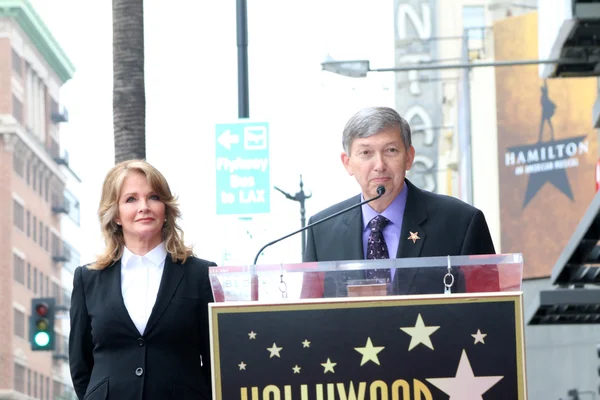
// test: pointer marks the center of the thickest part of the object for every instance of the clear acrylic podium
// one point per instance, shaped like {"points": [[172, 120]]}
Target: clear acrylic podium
{"points": [[470, 274], [440, 327]]}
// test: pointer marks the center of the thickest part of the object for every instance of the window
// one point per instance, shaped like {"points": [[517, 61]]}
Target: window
{"points": [[35, 384], [28, 222], [29, 276], [41, 387], [46, 184], [18, 269], [56, 293], [18, 164], [40, 188], [34, 175], [17, 64], [18, 215], [28, 382], [41, 242], [19, 381], [47, 287], [19, 328], [474, 21], [55, 245], [17, 109], [41, 281], [47, 240], [34, 280], [35, 229], [47, 388], [28, 176]]}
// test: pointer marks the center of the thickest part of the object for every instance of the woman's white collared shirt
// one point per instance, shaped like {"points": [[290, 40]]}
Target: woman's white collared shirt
{"points": [[140, 280]]}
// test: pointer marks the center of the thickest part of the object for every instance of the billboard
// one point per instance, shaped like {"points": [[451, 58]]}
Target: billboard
{"points": [[547, 150]]}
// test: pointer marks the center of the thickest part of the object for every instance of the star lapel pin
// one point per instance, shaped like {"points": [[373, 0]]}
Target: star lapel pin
{"points": [[414, 236]]}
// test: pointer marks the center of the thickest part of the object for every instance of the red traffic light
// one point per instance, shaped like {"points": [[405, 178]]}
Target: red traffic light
{"points": [[41, 309]]}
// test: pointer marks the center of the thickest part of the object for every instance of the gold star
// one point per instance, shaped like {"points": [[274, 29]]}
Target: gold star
{"points": [[479, 337], [420, 334], [252, 335], [296, 369], [242, 366], [414, 236], [306, 343], [275, 351], [329, 366], [369, 353]]}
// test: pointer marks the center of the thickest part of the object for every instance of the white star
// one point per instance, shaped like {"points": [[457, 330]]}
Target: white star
{"points": [[369, 353], [306, 343], [329, 366], [242, 366], [252, 335], [296, 369], [419, 334], [479, 337], [274, 350], [465, 385]]}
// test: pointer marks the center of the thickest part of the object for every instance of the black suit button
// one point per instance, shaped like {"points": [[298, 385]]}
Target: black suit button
{"points": [[139, 371], [140, 342]]}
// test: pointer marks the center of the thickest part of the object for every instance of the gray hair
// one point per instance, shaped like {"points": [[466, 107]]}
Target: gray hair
{"points": [[372, 120]]}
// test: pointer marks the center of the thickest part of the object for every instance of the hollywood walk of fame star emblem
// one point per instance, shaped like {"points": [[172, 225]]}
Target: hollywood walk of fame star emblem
{"points": [[465, 385]]}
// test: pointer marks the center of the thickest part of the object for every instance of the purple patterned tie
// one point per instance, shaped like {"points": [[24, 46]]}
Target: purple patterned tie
{"points": [[376, 247]]}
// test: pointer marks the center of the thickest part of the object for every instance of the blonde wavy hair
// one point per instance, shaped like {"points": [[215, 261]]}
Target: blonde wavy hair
{"points": [[109, 210]]}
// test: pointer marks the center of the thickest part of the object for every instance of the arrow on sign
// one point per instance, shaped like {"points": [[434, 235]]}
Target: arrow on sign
{"points": [[226, 139]]}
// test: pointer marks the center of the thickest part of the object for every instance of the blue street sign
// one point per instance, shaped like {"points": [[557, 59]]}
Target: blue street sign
{"points": [[243, 170]]}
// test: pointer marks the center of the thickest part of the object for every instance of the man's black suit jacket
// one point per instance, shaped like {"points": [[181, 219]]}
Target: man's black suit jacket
{"points": [[110, 359], [445, 225]]}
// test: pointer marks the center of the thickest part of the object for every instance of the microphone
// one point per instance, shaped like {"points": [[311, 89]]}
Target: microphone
{"points": [[380, 192]]}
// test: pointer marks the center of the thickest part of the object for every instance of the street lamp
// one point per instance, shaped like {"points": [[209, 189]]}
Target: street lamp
{"points": [[352, 68], [360, 68]]}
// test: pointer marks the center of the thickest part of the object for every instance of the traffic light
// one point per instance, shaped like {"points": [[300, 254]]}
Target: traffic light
{"points": [[41, 326]]}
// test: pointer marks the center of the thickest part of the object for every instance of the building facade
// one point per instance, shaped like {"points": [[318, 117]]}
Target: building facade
{"points": [[39, 210], [508, 110]]}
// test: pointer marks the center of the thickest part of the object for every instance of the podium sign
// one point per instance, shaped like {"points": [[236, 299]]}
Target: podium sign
{"points": [[461, 346]]}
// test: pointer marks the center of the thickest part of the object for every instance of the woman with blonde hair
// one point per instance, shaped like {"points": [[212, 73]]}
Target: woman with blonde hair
{"points": [[139, 314]]}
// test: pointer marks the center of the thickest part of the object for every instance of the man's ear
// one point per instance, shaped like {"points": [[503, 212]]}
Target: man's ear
{"points": [[410, 158], [346, 161]]}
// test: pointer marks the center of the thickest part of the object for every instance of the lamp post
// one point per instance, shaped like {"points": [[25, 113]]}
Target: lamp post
{"points": [[301, 198], [242, 46]]}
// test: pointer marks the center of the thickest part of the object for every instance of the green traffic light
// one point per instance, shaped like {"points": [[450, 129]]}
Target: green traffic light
{"points": [[42, 339]]}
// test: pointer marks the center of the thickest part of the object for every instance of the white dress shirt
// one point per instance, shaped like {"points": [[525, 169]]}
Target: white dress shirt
{"points": [[140, 280]]}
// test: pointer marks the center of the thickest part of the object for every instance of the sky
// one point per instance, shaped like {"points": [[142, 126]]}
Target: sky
{"points": [[191, 85]]}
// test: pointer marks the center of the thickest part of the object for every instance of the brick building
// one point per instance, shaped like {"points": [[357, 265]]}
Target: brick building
{"points": [[36, 259]]}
